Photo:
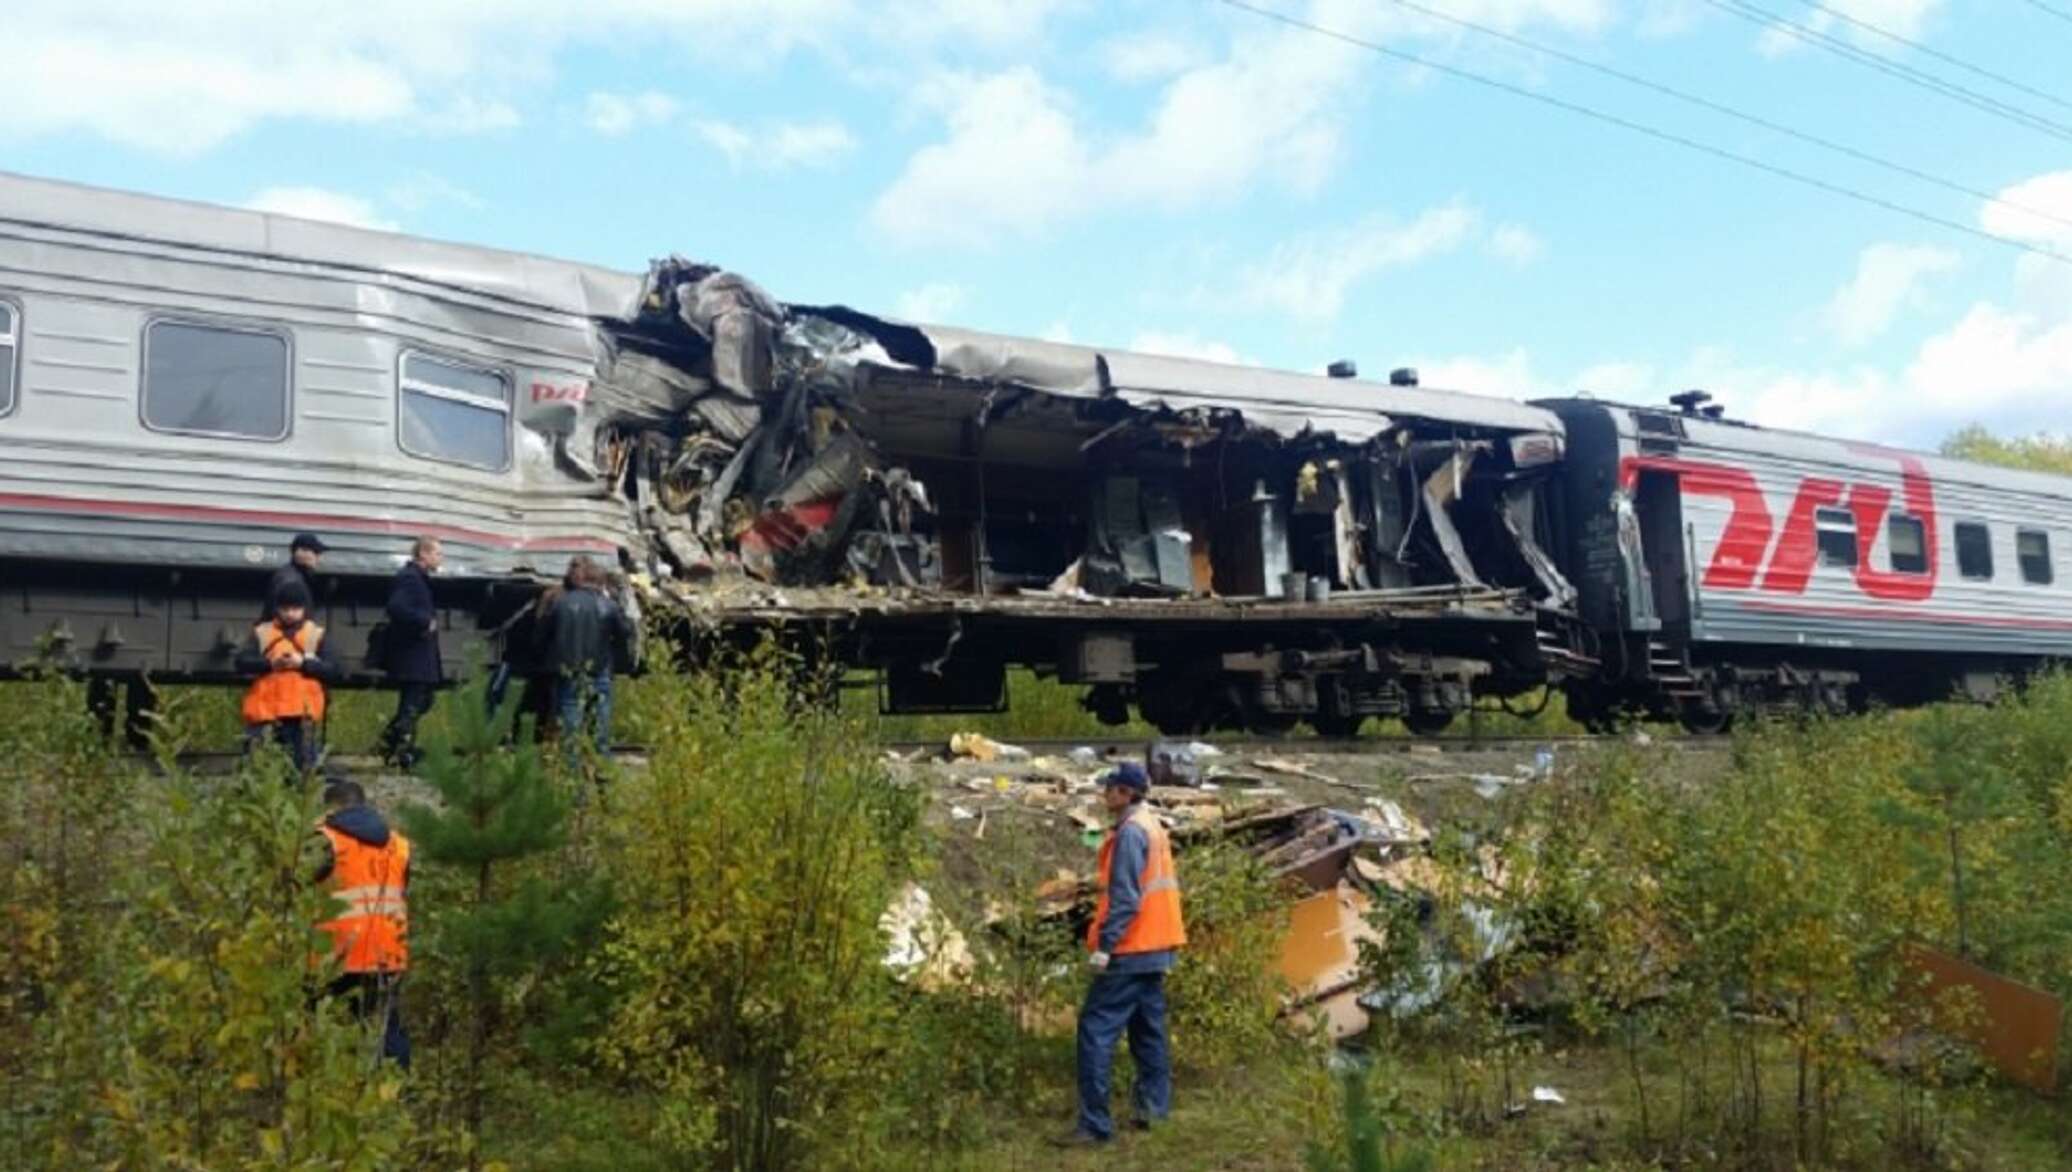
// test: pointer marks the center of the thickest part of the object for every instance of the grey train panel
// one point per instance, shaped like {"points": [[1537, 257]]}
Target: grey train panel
{"points": [[81, 476]]}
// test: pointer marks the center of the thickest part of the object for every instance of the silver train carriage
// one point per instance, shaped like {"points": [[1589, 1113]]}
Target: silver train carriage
{"points": [[1732, 569], [183, 387]]}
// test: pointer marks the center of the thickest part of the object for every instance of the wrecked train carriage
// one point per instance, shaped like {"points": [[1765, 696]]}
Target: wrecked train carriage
{"points": [[183, 387], [1217, 545]]}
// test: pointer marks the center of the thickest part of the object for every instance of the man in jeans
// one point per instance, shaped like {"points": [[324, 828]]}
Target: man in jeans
{"points": [[1136, 928], [581, 636]]}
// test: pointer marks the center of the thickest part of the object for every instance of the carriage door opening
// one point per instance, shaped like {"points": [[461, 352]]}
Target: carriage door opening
{"points": [[1658, 502]]}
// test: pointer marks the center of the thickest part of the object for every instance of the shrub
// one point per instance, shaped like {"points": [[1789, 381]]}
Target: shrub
{"points": [[754, 857]]}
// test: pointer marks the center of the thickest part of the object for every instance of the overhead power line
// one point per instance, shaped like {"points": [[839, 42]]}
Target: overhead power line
{"points": [[1764, 18], [1642, 128], [1744, 116], [1939, 55], [2054, 10]]}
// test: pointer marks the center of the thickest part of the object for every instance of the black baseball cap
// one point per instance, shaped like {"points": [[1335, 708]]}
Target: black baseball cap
{"points": [[308, 541]]}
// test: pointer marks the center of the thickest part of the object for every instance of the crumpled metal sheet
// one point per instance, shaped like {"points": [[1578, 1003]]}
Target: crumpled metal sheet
{"points": [[739, 320]]}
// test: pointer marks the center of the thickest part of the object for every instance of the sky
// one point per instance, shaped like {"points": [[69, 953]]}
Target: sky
{"points": [[1181, 175]]}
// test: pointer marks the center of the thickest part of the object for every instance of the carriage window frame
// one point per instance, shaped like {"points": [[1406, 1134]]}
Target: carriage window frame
{"points": [[1915, 562], [1834, 537], [1973, 573], [226, 326], [507, 405], [2023, 559], [11, 338]]}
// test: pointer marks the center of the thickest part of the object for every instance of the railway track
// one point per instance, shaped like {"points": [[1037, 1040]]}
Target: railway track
{"points": [[218, 761], [1049, 746]]}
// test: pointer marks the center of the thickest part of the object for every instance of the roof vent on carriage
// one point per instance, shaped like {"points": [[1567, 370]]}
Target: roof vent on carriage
{"points": [[1690, 402], [1405, 376], [1343, 368]]}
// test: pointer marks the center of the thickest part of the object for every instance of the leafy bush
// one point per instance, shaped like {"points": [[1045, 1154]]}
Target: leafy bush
{"points": [[169, 957], [753, 857]]}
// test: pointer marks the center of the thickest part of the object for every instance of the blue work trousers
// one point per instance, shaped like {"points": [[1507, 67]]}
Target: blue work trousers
{"points": [[574, 693], [1116, 1002]]}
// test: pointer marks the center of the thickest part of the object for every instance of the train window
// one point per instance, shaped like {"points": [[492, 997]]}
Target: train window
{"points": [[10, 331], [227, 381], [454, 412], [2032, 549], [1836, 532], [1974, 551], [1907, 539]]}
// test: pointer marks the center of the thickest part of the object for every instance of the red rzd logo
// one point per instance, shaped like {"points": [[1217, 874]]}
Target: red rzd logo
{"points": [[567, 393], [1745, 559]]}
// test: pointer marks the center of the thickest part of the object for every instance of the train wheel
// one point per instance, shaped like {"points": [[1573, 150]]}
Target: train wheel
{"points": [[1427, 722], [1337, 725], [1704, 720], [1270, 724]]}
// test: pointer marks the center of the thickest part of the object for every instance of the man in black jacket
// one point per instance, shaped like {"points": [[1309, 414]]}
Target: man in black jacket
{"points": [[304, 552], [581, 642], [411, 653]]}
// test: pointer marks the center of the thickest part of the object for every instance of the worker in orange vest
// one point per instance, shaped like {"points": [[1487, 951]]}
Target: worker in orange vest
{"points": [[367, 866], [286, 700], [1135, 931]]}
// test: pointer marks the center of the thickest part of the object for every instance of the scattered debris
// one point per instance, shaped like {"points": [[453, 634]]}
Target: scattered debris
{"points": [[921, 943], [2016, 1028], [1298, 769], [1320, 957], [1548, 1095], [980, 747]]}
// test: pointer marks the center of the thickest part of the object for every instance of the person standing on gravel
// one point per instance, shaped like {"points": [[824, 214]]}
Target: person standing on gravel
{"points": [[1136, 929]]}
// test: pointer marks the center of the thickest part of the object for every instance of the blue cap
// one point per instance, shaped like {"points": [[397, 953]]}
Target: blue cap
{"points": [[1128, 775]]}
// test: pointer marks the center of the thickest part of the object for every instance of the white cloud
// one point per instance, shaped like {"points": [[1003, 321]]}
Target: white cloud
{"points": [[1012, 162], [1152, 55], [780, 146], [470, 114], [1517, 244], [1270, 109], [1508, 375], [317, 203], [612, 115], [425, 189], [1625, 380], [1906, 18], [1888, 279], [1187, 345], [930, 304], [2015, 214], [1309, 276], [181, 78]]}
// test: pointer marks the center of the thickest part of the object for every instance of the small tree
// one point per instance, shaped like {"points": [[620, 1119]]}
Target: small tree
{"points": [[1367, 1146], [1953, 787], [756, 854], [499, 816]]}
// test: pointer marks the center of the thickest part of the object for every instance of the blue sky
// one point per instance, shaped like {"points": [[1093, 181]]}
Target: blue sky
{"points": [[1169, 174]]}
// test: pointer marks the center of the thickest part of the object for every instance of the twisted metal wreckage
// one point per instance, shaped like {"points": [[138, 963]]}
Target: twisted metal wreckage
{"points": [[816, 460], [785, 441]]}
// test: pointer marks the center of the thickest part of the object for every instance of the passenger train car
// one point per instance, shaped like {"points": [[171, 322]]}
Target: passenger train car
{"points": [[1727, 569], [183, 387]]}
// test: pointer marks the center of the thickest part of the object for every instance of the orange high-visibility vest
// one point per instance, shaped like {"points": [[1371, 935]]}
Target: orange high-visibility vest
{"points": [[373, 936], [1158, 925], [285, 693]]}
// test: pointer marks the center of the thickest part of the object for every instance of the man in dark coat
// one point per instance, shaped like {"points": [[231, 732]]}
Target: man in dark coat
{"points": [[411, 653], [304, 552], [581, 642]]}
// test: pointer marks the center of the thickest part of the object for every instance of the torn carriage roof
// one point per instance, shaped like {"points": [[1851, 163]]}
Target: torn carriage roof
{"points": [[1284, 402]]}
